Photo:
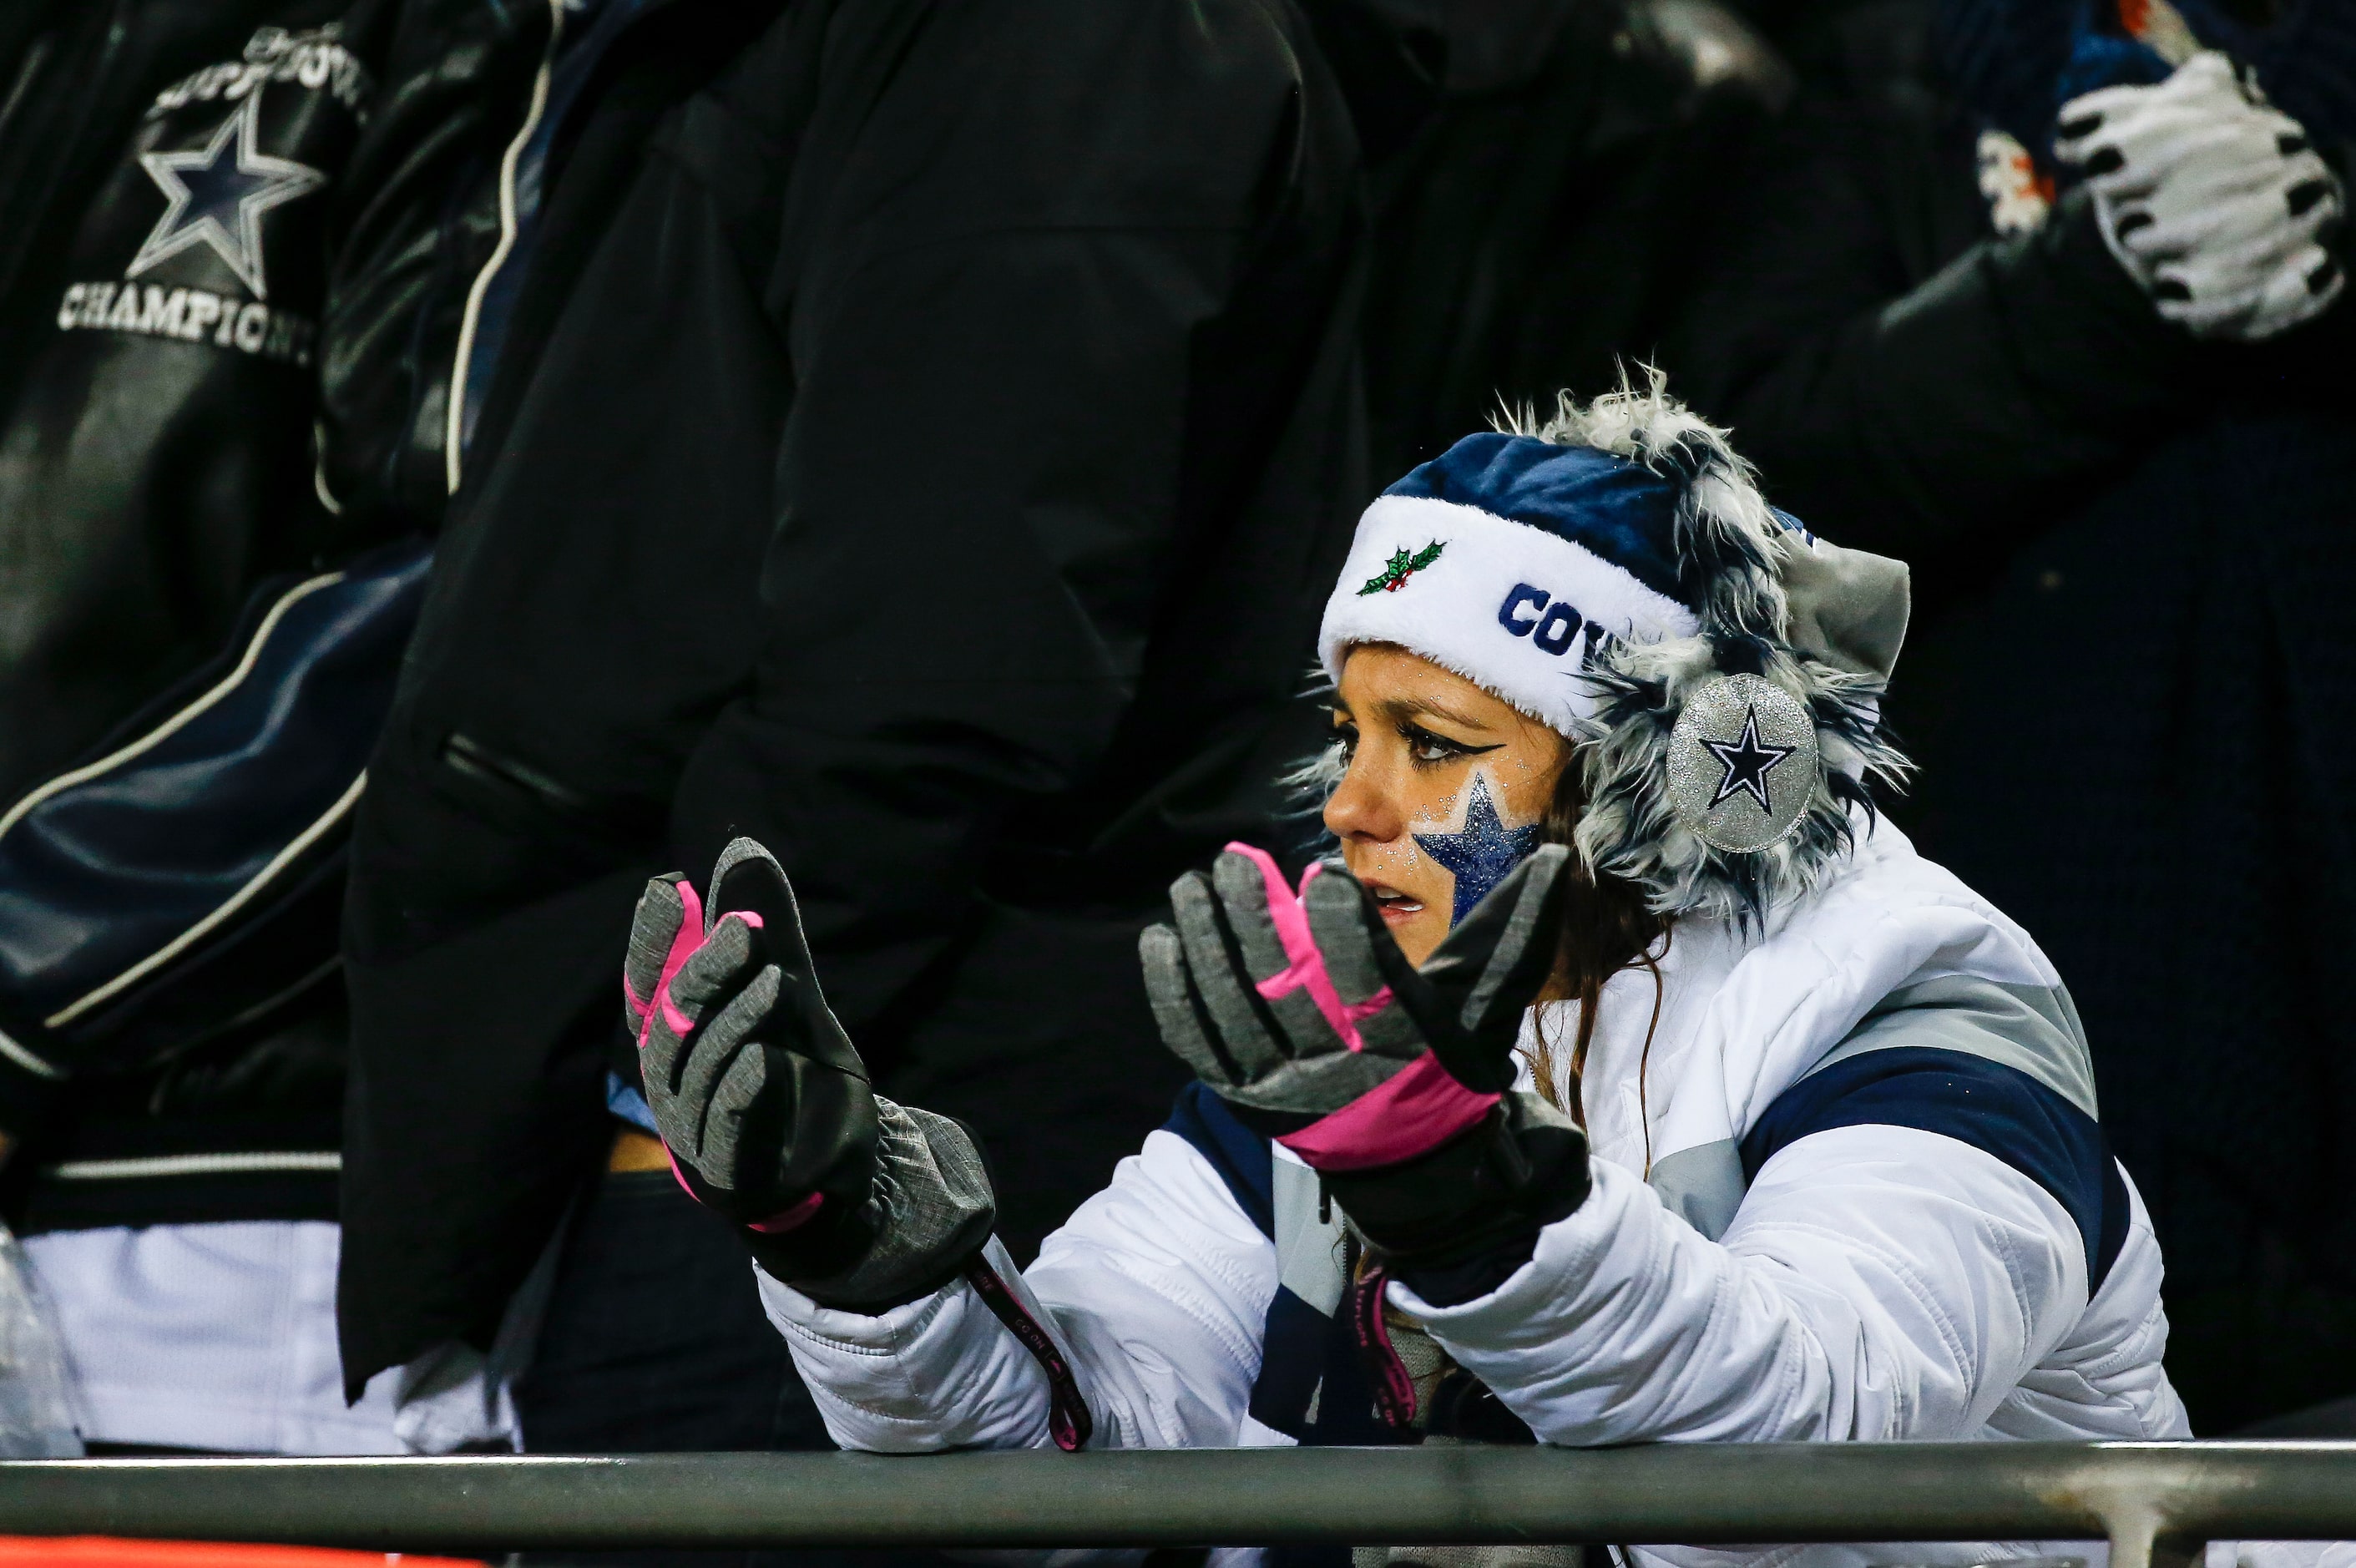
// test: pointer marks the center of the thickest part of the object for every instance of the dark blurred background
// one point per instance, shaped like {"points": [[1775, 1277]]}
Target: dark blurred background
{"points": [[269, 269]]}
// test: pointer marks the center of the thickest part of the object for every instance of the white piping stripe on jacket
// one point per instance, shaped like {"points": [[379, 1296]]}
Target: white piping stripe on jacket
{"points": [[182, 717], [24, 1058], [454, 427], [150, 1165], [196, 933]]}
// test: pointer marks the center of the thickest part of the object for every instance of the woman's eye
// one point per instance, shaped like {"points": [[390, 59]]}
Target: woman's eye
{"points": [[1427, 747]]}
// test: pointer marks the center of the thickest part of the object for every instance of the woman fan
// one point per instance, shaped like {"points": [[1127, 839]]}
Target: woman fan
{"points": [[1622, 1078]]}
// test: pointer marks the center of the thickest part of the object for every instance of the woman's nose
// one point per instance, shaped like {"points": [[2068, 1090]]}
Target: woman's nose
{"points": [[1361, 809]]}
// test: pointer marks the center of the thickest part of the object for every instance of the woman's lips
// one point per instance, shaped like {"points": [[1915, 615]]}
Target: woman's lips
{"points": [[1397, 908]]}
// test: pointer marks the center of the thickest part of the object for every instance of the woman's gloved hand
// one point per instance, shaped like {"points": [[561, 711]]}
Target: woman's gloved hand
{"points": [[2212, 200], [766, 1106], [1390, 1080]]}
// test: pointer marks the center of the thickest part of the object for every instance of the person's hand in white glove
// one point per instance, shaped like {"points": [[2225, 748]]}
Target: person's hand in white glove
{"points": [[2212, 200]]}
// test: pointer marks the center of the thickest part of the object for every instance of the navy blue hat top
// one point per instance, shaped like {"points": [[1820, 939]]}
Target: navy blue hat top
{"points": [[1616, 509]]}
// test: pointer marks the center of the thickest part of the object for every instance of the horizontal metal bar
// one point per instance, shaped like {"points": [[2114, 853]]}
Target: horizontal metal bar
{"points": [[1688, 1493]]}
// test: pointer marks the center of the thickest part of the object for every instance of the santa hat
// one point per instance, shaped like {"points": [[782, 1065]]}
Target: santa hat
{"points": [[1614, 573]]}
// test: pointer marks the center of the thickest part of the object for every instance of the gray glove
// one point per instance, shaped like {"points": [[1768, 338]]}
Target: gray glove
{"points": [[1394, 1076], [765, 1104], [1302, 1002], [2212, 200]]}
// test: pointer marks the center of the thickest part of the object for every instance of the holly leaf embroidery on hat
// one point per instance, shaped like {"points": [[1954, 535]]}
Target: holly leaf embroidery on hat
{"points": [[1400, 567]]}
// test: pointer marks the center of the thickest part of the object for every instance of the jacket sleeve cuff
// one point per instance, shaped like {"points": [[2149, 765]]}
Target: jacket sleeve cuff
{"points": [[929, 1215], [934, 1373], [1461, 1217], [1559, 1265]]}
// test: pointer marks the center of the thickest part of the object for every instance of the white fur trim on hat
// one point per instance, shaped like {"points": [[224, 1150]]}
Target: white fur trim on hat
{"points": [[1513, 608]]}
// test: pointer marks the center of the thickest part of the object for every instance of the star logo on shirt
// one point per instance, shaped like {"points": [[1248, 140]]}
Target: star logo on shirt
{"points": [[1746, 762], [1482, 851], [217, 197]]}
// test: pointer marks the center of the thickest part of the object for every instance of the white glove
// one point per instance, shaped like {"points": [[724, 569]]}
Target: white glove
{"points": [[2210, 198]]}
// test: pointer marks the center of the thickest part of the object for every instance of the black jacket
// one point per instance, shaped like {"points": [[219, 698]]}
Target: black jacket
{"points": [[1900, 372], [1549, 221], [166, 167], [155, 379], [2127, 683], [924, 437]]}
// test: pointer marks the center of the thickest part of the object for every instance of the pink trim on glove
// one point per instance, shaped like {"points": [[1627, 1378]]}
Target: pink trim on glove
{"points": [[679, 1022], [689, 934], [1308, 965], [778, 1224], [793, 1219], [1418, 1109], [684, 943]]}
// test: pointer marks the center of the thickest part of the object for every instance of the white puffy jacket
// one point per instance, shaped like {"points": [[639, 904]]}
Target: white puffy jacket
{"points": [[1836, 1242]]}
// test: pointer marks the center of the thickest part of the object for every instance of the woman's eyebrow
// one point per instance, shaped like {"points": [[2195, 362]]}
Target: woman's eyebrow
{"points": [[1398, 708]]}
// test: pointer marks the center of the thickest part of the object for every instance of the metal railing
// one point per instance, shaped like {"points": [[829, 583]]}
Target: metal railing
{"points": [[2157, 1503]]}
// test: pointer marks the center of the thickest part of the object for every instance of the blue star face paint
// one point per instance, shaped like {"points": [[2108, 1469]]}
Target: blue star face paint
{"points": [[1482, 852]]}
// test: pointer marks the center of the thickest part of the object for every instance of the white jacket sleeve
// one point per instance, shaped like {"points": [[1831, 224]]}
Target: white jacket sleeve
{"points": [[1877, 1283], [1157, 1290]]}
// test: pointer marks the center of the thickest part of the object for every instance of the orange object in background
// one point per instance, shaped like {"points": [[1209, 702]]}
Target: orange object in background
{"points": [[108, 1552]]}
